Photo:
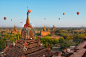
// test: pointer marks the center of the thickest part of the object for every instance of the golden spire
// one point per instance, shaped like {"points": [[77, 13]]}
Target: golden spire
{"points": [[14, 27], [44, 28]]}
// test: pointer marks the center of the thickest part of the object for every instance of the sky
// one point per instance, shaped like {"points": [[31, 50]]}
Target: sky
{"points": [[40, 9]]}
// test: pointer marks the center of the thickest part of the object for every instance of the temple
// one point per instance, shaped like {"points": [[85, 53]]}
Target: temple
{"points": [[44, 32], [54, 28], [15, 31], [53, 32], [27, 46]]}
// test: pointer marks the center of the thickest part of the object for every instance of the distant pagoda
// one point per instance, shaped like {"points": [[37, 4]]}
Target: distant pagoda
{"points": [[53, 28], [15, 31], [53, 32], [27, 46]]}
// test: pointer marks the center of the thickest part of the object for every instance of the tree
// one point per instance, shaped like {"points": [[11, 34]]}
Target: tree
{"points": [[64, 43], [46, 39], [13, 39], [68, 38], [18, 35], [55, 41], [37, 34], [49, 35], [78, 38], [61, 40], [58, 31], [77, 44], [2, 44], [35, 37], [46, 45], [68, 30]]}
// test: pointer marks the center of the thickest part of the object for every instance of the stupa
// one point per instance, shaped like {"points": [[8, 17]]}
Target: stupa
{"points": [[27, 46]]}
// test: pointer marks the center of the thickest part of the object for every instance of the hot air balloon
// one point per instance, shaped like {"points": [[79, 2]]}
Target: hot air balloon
{"points": [[5, 18], [11, 19], [59, 18], [29, 11], [77, 13], [45, 18], [63, 13], [21, 22]]}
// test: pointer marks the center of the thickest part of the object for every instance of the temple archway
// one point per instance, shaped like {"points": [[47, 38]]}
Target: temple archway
{"points": [[30, 34]]}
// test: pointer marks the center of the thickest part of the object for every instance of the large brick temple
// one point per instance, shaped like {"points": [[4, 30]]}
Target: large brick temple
{"points": [[27, 46], [44, 32]]}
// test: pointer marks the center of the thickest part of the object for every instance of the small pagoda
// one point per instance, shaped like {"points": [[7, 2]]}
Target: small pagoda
{"points": [[27, 46]]}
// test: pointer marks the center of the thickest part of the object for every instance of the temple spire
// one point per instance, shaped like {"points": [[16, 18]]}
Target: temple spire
{"points": [[14, 27], [44, 28], [27, 20]]}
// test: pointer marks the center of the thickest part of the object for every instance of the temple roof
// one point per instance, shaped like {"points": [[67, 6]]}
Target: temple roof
{"points": [[79, 53], [33, 49], [80, 50]]}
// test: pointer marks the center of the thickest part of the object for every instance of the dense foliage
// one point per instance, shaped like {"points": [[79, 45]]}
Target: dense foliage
{"points": [[6, 36], [2, 44], [65, 43]]}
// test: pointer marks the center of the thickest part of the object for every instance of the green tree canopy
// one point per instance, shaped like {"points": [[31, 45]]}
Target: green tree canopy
{"points": [[2, 44], [64, 43]]}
